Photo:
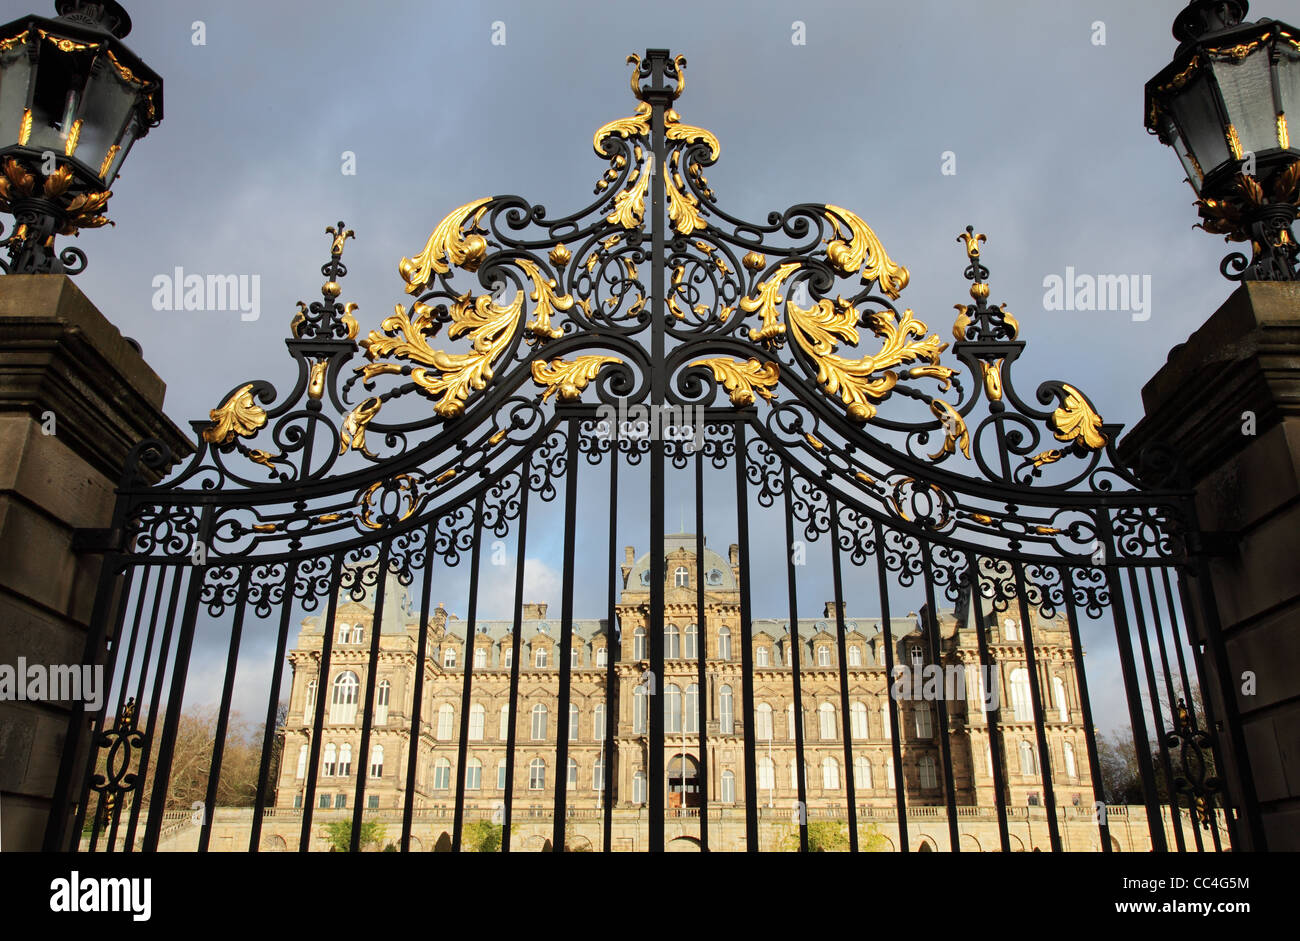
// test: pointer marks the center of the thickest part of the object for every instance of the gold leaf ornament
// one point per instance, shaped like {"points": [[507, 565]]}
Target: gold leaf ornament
{"points": [[569, 378], [453, 241], [353, 433], [1077, 421], [743, 380], [239, 416], [863, 251]]}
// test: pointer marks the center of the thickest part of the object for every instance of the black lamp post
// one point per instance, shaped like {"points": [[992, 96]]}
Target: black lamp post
{"points": [[73, 99], [1223, 105]]}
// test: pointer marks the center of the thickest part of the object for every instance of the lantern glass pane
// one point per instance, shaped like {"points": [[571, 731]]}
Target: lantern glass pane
{"points": [[1247, 92], [1194, 110], [107, 103], [15, 76], [1288, 86], [1184, 155]]}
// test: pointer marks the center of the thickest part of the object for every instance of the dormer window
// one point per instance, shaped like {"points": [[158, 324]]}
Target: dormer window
{"points": [[681, 577]]}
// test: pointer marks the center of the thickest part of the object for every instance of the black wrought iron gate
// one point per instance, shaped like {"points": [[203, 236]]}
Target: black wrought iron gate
{"points": [[649, 354]]}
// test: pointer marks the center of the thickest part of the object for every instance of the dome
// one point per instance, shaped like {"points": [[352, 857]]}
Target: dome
{"points": [[717, 570]]}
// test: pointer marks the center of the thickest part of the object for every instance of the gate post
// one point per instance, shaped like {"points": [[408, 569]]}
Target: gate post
{"points": [[1228, 400], [75, 397]]}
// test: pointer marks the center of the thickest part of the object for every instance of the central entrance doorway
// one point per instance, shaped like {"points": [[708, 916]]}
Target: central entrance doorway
{"points": [[683, 782]]}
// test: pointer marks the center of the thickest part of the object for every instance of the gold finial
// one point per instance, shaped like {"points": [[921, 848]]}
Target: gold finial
{"points": [[340, 236], [972, 239]]}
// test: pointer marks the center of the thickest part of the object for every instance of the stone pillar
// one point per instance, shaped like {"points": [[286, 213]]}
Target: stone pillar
{"points": [[75, 397], [1229, 401]]}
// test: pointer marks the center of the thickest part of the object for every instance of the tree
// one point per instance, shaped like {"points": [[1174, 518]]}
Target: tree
{"points": [[339, 834], [824, 836], [483, 836]]}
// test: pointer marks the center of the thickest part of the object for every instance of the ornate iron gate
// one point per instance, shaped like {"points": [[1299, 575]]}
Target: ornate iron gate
{"points": [[648, 353]]}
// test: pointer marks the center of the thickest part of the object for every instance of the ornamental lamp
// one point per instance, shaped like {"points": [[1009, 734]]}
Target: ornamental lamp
{"points": [[1222, 104], [73, 99]]}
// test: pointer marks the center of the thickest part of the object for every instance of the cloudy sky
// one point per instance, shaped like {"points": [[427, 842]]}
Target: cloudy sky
{"points": [[1037, 106]]}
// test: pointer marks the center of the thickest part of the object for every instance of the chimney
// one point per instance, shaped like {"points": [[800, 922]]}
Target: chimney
{"points": [[629, 559], [829, 611], [534, 611]]}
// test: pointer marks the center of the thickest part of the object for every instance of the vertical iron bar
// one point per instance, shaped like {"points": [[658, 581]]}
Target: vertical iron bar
{"points": [[322, 694], [703, 696], [1040, 714], [992, 717], [521, 551], [417, 691], [1085, 705], [846, 734], [613, 656], [273, 708], [746, 640], [372, 684], [941, 712], [561, 806], [145, 662], [895, 731], [801, 784], [462, 750]]}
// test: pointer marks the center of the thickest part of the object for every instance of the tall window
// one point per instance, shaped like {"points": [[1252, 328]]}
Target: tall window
{"points": [[918, 657], [639, 709], [381, 702], [441, 774], [855, 656], [573, 657], [926, 767], [377, 761], [504, 731], [692, 709], [340, 801], [823, 656], [358, 633], [789, 721], [886, 727], [329, 760], [311, 698], [728, 787], [1009, 631], [638, 644], [830, 774], [345, 760], [449, 658], [507, 657], [766, 774], [681, 577], [638, 788], [1069, 761], [539, 723], [672, 708], [303, 752], [763, 722], [861, 774], [477, 717], [761, 657], [1027, 763], [573, 774], [501, 775], [724, 643], [446, 716], [858, 722], [672, 643], [924, 720], [826, 721], [473, 775], [343, 699], [345, 631], [573, 722], [1021, 701], [726, 720], [598, 774], [536, 774], [1058, 694], [542, 658], [889, 774], [598, 721], [692, 641], [602, 656], [480, 658]]}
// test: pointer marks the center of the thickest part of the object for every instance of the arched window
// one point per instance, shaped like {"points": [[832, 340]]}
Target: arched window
{"points": [[826, 722], [1058, 695], [574, 657], [602, 656], [789, 721], [926, 767], [924, 720], [681, 577], [329, 761], [1021, 701], [726, 711], [691, 708], [473, 775], [763, 722], [536, 774], [345, 631], [724, 643], [358, 633], [573, 774], [639, 709], [480, 658], [504, 732], [761, 656], [830, 774], [311, 698], [886, 727], [823, 656], [501, 775], [855, 656], [449, 658], [672, 643], [345, 760], [542, 658], [303, 752], [794, 774], [507, 656], [441, 774], [573, 722], [672, 708], [858, 722], [598, 721], [1027, 763], [343, 699], [917, 655], [1070, 771], [638, 788], [861, 774], [477, 718], [1009, 631], [692, 641], [446, 716], [598, 774], [766, 774], [539, 723], [638, 644], [381, 702], [988, 759], [728, 788], [889, 774], [377, 761]]}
